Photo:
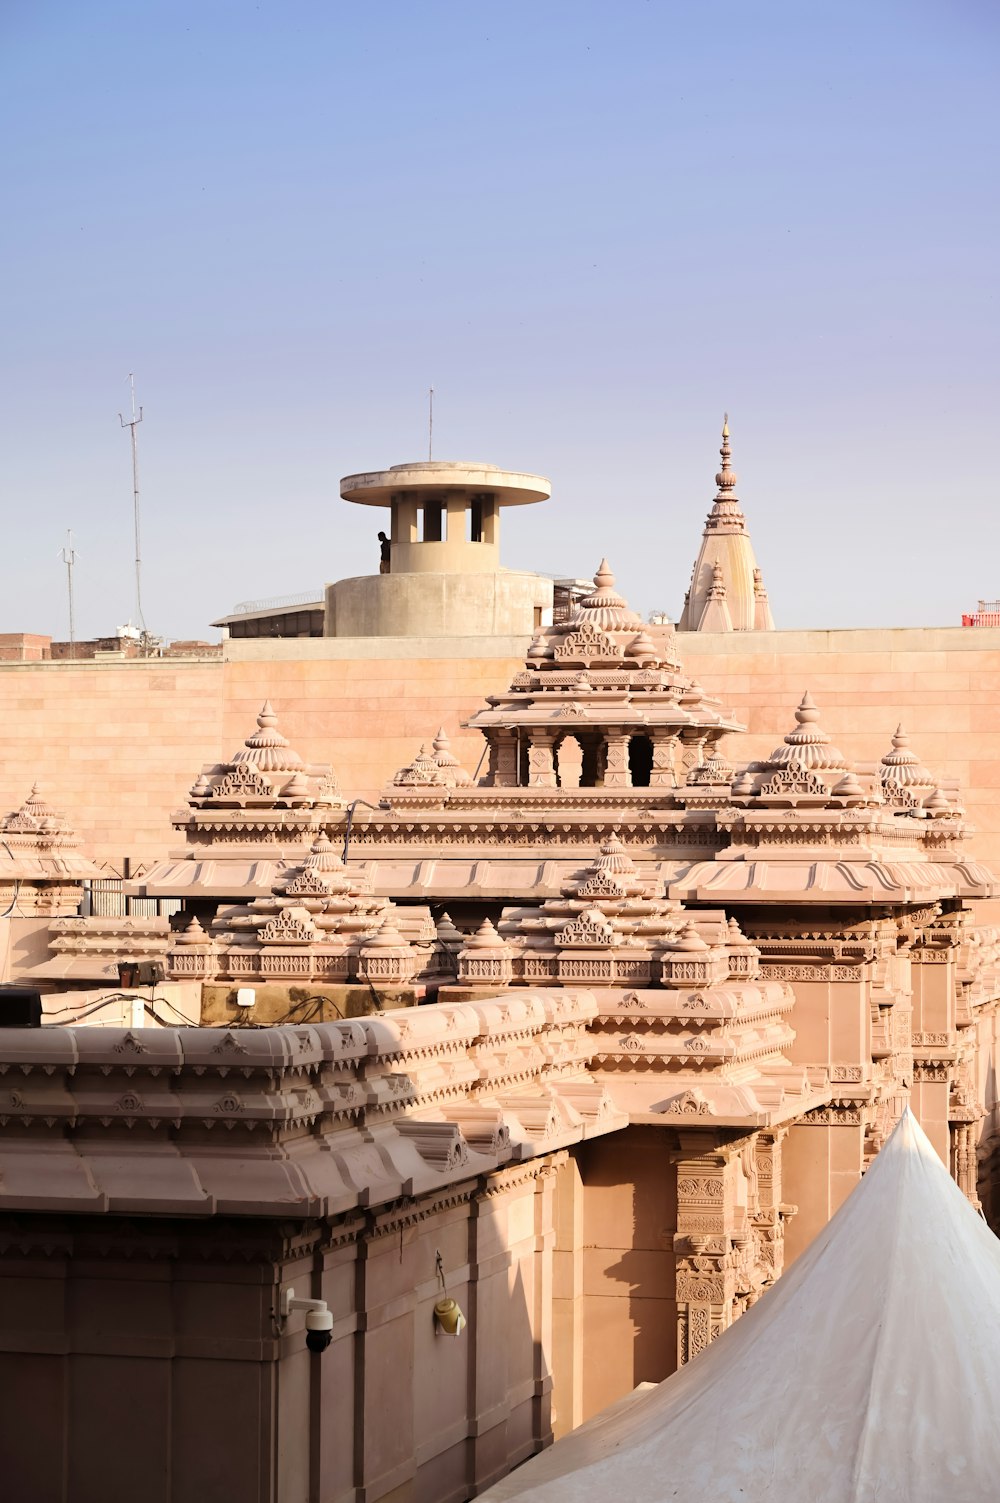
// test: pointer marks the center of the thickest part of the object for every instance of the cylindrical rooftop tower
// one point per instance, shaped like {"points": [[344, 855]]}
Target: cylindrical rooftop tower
{"points": [[442, 575], [445, 515]]}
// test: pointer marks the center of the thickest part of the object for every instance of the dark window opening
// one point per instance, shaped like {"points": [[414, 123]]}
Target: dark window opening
{"points": [[432, 522], [640, 761], [592, 771]]}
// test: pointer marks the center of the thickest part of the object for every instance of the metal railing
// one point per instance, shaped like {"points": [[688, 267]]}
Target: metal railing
{"points": [[987, 613], [276, 602], [105, 897]]}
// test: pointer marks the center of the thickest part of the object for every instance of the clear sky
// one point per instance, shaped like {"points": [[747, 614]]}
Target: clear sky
{"points": [[591, 226]]}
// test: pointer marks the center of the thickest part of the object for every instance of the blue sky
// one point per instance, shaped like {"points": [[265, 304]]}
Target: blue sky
{"points": [[593, 227]]}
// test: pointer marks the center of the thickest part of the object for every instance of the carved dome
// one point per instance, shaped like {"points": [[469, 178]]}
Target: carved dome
{"points": [[808, 744], [267, 748], [604, 607], [903, 766]]}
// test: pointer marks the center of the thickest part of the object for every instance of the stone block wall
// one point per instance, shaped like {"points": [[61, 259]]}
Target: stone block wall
{"points": [[117, 744]]}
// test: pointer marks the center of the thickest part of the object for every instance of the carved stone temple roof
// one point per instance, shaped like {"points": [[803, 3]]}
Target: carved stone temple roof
{"points": [[39, 856], [806, 825], [727, 591], [604, 669], [685, 1027], [265, 774], [320, 922], [437, 768], [246, 818]]}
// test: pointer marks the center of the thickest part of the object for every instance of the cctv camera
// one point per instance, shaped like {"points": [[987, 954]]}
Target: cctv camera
{"points": [[319, 1321], [319, 1330]]}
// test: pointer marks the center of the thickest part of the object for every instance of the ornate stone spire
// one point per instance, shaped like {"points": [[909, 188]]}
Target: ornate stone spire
{"points": [[715, 616], [726, 556], [726, 478], [762, 618]]}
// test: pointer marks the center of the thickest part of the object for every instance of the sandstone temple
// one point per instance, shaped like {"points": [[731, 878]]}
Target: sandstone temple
{"points": [[579, 1005]]}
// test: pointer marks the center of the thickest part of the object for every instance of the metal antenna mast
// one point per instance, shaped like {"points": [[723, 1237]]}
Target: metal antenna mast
{"points": [[430, 423], [68, 556], [131, 425]]}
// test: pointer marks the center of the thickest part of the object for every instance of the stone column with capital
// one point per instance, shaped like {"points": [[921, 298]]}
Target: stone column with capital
{"points": [[616, 771], [503, 758], [541, 762], [662, 773], [706, 1283], [692, 751]]}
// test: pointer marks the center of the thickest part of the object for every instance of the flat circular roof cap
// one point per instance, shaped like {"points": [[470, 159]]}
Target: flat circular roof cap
{"points": [[511, 487]]}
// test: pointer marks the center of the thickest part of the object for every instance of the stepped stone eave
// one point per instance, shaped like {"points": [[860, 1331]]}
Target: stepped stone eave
{"points": [[832, 882]]}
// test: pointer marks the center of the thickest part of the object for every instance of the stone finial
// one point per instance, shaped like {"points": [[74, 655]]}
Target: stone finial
{"points": [[901, 765], [296, 788], [615, 858], [386, 936], [641, 649], [486, 958], [762, 618], [808, 744], [267, 748], [689, 940], [717, 589], [937, 804], [441, 769], [849, 788], [448, 933], [604, 607], [194, 934], [604, 579], [726, 478], [486, 938], [323, 856], [447, 762]]}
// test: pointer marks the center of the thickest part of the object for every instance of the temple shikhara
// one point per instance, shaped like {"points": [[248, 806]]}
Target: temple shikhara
{"points": [[582, 1017]]}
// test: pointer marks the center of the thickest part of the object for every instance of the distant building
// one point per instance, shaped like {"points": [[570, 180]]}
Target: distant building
{"points": [[302, 615], [987, 613]]}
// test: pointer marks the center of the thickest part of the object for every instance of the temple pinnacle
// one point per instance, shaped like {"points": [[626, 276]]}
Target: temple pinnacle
{"points": [[726, 478]]}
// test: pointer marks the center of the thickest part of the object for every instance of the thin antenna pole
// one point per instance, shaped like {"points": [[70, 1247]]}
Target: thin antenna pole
{"points": [[69, 559], [430, 423], [131, 425]]}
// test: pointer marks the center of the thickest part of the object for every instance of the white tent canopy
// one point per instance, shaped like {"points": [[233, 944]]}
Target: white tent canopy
{"points": [[869, 1374]]}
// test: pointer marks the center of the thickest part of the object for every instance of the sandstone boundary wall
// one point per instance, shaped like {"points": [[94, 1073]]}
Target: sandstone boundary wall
{"points": [[117, 745]]}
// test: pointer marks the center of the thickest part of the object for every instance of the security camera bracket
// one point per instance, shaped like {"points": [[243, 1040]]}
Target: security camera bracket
{"points": [[288, 1303]]}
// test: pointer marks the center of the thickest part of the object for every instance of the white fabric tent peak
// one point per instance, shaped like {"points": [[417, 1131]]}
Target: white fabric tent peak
{"points": [[870, 1373]]}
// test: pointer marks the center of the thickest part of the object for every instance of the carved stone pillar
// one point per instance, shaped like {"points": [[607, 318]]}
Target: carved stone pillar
{"points": [[705, 1269], [692, 751], [965, 1161], [541, 762], [663, 774], [771, 1214], [616, 771], [503, 759]]}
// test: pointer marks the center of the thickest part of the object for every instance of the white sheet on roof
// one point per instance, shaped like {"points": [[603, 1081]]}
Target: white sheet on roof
{"points": [[869, 1374]]}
